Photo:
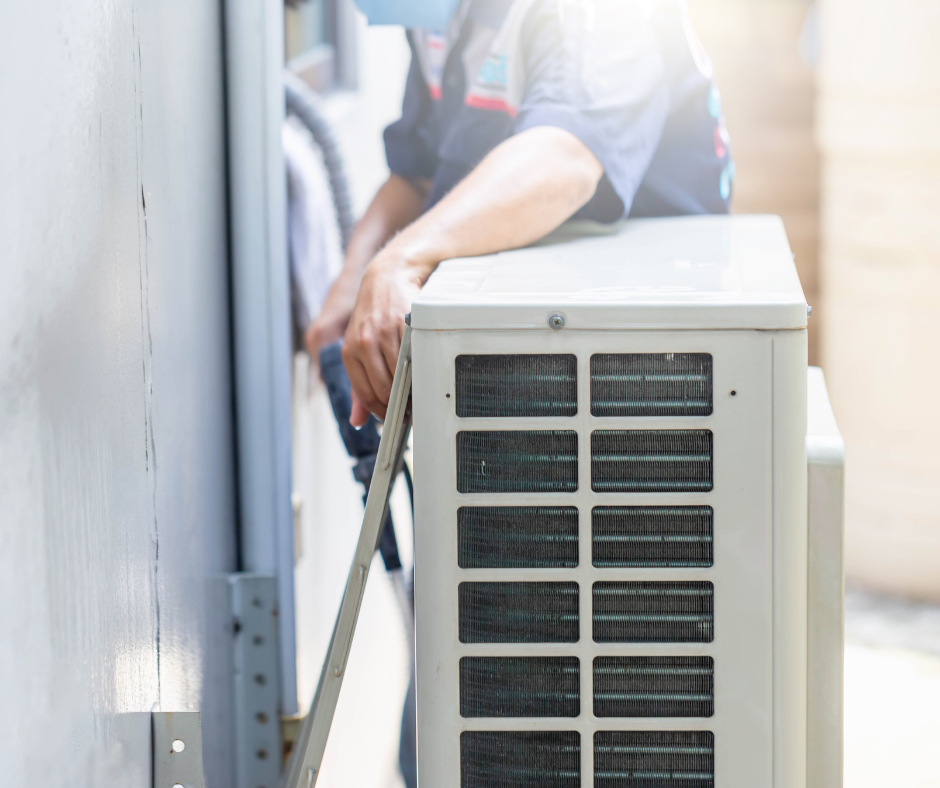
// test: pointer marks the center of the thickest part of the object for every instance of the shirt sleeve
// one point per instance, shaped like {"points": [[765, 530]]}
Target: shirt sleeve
{"points": [[597, 70], [407, 140]]}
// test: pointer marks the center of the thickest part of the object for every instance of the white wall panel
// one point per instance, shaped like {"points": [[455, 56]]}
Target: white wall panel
{"points": [[116, 471]]}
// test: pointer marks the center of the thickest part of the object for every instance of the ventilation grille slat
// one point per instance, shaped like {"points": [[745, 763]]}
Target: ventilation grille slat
{"points": [[520, 687], [651, 460], [517, 537], [651, 384], [654, 759], [517, 461], [518, 612], [653, 612], [516, 386], [652, 536], [520, 759], [654, 687]]}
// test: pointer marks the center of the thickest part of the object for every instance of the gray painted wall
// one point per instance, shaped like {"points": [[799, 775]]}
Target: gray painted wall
{"points": [[116, 470]]}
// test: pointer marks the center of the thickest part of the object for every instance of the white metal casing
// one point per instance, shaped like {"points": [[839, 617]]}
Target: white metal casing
{"points": [[721, 285], [825, 458], [695, 272]]}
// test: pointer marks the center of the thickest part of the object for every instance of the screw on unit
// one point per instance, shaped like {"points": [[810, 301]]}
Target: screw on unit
{"points": [[809, 310], [557, 321]]}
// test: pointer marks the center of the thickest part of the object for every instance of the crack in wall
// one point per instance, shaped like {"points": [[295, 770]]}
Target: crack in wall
{"points": [[146, 340]]}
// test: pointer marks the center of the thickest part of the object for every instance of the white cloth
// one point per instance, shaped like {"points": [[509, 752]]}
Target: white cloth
{"points": [[313, 234]]}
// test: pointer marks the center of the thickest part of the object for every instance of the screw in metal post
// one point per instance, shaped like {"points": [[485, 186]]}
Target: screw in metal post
{"points": [[556, 321]]}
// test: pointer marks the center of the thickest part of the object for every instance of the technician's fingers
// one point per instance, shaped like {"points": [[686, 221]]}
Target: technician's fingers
{"points": [[359, 414], [391, 345], [333, 319], [362, 390], [321, 333], [373, 337], [380, 376]]}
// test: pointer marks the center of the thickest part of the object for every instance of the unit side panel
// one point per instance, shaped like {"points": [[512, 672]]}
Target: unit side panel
{"points": [[741, 573], [790, 558]]}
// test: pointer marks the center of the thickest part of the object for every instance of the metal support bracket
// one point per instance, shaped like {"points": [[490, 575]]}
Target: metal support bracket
{"points": [[258, 753], [177, 749]]}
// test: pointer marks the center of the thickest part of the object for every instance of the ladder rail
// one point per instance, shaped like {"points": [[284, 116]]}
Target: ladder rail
{"points": [[303, 767]]}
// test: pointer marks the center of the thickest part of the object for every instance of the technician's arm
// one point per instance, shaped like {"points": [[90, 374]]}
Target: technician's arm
{"points": [[522, 190], [396, 205]]}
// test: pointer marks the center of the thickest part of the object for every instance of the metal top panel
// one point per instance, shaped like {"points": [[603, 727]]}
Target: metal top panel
{"points": [[694, 272]]}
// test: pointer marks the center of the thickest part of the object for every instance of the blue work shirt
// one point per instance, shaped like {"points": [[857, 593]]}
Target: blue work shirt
{"points": [[628, 78]]}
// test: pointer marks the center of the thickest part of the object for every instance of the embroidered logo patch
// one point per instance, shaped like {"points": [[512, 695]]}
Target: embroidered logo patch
{"points": [[490, 91]]}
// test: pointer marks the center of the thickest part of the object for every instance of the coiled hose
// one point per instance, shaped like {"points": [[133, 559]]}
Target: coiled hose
{"points": [[304, 104]]}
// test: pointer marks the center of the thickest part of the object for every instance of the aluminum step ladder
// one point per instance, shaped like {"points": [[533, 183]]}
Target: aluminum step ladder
{"points": [[303, 767]]}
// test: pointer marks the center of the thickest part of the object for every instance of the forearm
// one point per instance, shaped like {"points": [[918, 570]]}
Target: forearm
{"points": [[522, 190], [397, 204]]}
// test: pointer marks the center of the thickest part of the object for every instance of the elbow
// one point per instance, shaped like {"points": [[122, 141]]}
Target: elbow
{"points": [[584, 169], [588, 175], [564, 161]]}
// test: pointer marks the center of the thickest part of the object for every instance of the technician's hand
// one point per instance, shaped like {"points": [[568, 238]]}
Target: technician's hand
{"points": [[524, 188], [373, 338], [331, 323]]}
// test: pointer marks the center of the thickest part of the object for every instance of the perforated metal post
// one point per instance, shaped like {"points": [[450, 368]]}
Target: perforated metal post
{"points": [[255, 681]]}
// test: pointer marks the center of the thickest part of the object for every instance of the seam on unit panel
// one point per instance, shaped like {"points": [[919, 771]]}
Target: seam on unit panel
{"points": [[587, 723]]}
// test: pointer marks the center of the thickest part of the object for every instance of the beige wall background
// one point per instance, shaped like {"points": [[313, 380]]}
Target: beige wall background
{"points": [[878, 122], [769, 96], [849, 156]]}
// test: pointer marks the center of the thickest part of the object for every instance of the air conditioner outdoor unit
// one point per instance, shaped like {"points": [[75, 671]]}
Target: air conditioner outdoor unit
{"points": [[628, 518], [611, 548]]}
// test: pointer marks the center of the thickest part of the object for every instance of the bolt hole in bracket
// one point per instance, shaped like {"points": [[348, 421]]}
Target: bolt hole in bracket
{"points": [[177, 749]]}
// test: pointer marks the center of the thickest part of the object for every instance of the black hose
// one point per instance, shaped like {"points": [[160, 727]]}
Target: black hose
{"points": [[304, 104]]}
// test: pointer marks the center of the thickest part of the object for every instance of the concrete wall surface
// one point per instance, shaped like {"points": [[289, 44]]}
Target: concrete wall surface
{"points": [[878, 115], [116, 471]]}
